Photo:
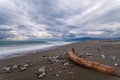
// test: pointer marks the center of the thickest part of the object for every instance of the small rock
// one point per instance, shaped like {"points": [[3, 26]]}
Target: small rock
{"points": [[43, 73], [66, 64], [15, 67], [23, 68], [50, 69], [84, 46], [41, 70], [88, 54], [19, 66], [64, 67], [65, 54], [113, 58], [52, 74], [61, 56], [60, 71], [57, 60], [40, 76], [27, 61], [6, 70], [70, 72], [26, 65], [45, 57], [103, 56], [57, 75], [117, 65]]}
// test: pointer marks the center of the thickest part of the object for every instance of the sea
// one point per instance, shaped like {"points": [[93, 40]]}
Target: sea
{"points": [[17, 48]]}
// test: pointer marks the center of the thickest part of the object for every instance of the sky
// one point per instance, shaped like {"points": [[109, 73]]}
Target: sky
{"points": [[59, 19]]}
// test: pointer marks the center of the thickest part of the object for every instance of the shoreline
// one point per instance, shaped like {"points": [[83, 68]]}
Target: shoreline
{"points": [[56, 71], [33, 51]]}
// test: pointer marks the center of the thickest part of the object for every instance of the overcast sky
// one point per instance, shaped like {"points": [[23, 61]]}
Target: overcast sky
{"points": [[59, 19]]}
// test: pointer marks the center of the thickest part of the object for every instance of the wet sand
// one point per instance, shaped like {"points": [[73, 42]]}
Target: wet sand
{"points": [[63, 68]]}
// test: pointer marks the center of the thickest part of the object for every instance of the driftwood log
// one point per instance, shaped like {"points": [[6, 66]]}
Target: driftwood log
{"points": [[93, 65]]}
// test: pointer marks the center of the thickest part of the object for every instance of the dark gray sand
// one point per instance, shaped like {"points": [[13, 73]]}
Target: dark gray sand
{"points": [[58, 66]]}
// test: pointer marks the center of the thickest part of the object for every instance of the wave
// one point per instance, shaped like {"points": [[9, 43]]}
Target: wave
{"points": [[20, 47], [20, 42]]}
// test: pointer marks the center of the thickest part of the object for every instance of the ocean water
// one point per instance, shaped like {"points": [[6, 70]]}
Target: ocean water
{"points": [[16, 48]]}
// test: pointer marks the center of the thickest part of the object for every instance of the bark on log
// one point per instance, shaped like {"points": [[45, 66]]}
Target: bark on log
{"points": [[93, 65]]}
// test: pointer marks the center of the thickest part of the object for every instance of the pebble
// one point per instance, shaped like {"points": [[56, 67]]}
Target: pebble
{"points": [[10, 68], [66, 64], [64, 67], [88, 54], [70, 72], [113, 58], [6, 70], [50, 69], [26, 65], [60, 71], [41, 70], [45, 57], [57, 60], [27, 61], [43, 73], [40, 76], [62, 56], [23, 68], [57, 75], [103, 56], [116, 64], [15, 67]]}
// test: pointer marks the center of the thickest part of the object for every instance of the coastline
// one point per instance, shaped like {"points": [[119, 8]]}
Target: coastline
{"points": [[18, 53], [38, 59]]}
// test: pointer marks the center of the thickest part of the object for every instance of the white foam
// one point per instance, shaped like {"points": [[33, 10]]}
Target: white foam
{"points": [[22, 49]]}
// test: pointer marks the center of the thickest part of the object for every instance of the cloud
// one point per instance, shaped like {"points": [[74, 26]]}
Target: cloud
{"points": [[43, 19]]}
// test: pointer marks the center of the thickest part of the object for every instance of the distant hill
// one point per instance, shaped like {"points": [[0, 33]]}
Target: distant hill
{"points": [[90, 38]]}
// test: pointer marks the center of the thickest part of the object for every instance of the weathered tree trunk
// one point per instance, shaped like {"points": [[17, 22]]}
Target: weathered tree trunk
{"points": [[93, 65]]}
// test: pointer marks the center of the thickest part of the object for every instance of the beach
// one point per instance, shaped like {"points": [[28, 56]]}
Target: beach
{"points": [[58, 66]]}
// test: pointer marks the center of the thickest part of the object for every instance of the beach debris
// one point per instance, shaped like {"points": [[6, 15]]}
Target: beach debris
{"points": [[86, 63], [41, 72], [103, 56]]}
